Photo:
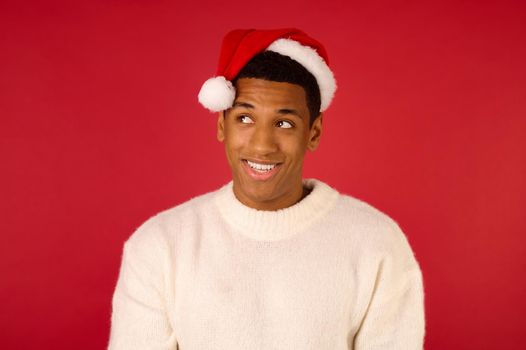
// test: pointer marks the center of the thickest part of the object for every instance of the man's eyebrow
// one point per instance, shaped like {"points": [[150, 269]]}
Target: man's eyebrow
{"points": [[243, 104], [289, 111], [281, 111]]}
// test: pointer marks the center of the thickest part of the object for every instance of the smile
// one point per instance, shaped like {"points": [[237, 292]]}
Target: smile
{"points": [[262, 168], [260, 171]]}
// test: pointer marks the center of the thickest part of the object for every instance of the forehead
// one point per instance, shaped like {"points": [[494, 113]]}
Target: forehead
{"points": [[266, 92]]}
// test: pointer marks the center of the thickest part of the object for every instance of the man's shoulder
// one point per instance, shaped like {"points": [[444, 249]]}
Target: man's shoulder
{"points": [[367, 222], [194, 206], [162, 225], [362, 212], [348, 209], [375, 232]]}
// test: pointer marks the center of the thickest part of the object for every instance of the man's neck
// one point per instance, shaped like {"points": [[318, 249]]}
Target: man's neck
{"points": [[275, 204]]}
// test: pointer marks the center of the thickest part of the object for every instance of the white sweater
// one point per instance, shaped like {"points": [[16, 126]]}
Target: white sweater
{"points": [[329, 272]]}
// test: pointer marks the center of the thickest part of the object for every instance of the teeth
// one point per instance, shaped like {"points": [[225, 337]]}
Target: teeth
{"points": [[261, 167]]}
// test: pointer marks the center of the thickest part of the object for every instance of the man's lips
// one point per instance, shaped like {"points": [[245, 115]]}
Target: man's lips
{"points": [[260, 170]]}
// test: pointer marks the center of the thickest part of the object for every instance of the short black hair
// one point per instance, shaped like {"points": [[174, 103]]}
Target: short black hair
{"points": [[270, 65]]}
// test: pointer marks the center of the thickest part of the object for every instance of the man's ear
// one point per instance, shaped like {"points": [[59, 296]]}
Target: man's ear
{"points": [[315, 133], [221, 126]]}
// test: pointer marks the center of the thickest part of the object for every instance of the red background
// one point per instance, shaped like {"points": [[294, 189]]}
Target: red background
{"points": [[100, 129]]}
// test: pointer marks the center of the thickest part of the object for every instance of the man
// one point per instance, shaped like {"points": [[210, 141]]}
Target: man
{"points": [[269, 261]]}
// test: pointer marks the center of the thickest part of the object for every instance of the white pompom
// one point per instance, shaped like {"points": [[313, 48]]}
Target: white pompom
{"points": [[217, 94]]}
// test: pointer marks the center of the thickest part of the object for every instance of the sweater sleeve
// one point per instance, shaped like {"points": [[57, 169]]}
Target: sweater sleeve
{"points": [[139, 319], [395, 317]]}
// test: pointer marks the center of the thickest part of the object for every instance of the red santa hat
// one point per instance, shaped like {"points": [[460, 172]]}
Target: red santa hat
{"points": [[241, 45]]}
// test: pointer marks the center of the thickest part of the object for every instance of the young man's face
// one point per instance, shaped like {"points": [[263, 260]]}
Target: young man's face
{"points": [[266, 134]]}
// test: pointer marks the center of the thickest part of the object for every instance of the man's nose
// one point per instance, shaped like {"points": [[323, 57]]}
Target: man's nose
{"points": [[263, 141]]}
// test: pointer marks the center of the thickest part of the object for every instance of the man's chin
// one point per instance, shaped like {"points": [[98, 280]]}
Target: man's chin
{"points": [[255, 192]]}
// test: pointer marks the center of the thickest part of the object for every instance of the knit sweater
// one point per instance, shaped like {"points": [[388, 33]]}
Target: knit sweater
{"points": [[330, 272]]}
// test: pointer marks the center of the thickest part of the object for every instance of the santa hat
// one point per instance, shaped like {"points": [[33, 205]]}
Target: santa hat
{"points": [[240, 46]]}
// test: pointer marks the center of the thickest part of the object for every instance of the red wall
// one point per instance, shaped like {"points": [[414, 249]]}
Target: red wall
{"points": [[100, 128]]}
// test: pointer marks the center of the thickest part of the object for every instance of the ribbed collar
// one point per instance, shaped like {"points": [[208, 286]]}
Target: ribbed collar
{"points": [[276, 225]]}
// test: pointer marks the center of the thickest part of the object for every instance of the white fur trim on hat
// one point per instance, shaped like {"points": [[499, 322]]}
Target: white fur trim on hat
{"points": [[217, 94], [314, 63]]}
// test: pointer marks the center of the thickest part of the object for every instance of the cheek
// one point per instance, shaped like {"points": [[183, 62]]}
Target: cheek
{"points": [[234, 141], [294, 148]]}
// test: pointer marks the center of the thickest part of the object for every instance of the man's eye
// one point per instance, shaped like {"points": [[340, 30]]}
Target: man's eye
{"points": [[284, 124], [245, 119]]}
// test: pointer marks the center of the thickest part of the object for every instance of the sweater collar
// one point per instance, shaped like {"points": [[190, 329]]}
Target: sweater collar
{"points": [[280, 224]]}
